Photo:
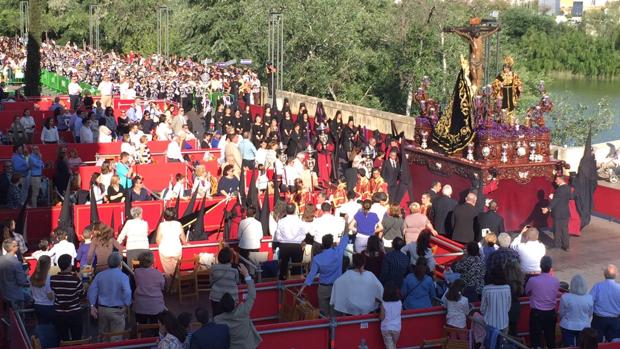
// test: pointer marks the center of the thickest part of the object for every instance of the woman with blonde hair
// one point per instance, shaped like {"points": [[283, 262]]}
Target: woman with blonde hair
{"points": [[416, 222], [204, 183], [102, 246], [115, 192], [42, 292]]}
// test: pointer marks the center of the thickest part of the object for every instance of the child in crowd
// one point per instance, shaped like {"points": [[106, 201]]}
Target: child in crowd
{"points": [[43, 250], [82, 252], [390, 315], [489, 245], [457, 306], [178, 190], [185, 320]]}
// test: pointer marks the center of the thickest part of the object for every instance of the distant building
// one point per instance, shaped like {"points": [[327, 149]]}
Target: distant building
{"points": [[549, 7]]}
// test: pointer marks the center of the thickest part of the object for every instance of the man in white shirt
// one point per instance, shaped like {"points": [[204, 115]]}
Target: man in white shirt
{"points": [[289, 235], [86, 134], [530, 250], [250, 234], [62, 247], [379, 200], [27, 122], [298, 163], [328, 224], [291, 173], [105, 89], [350, 208], [173, 152], [134, 135], [357, 291], [74, 91]]}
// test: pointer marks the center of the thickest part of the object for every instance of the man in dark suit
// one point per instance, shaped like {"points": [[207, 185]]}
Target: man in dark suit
{"points": [[210, 335], [490, 220], [560, 213], [390, 171], [434, 191], [463, 220], [442, 210]]}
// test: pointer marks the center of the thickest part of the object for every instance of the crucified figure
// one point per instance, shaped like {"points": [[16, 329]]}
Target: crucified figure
{"points": [[475, 35]]}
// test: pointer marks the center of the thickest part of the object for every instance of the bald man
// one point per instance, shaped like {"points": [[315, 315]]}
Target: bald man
{"points": [[606, 296], [463, 220]]}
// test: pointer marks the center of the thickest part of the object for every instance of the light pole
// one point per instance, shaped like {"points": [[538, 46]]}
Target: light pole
{"points": [[93, 26]]}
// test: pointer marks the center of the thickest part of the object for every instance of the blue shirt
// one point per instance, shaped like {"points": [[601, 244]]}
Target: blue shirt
{"points": [[133, 115], [110, 288], [394, 267], [366, 223], [247, 149], [328, 264], [215, 142], [20, 164], [417, 294], [76, 125], [211, 336], [36, 165], [606, 295], [122, 170]]}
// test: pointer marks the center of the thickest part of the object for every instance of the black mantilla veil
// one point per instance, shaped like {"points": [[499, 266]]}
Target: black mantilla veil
{"points": [[455, 128], [585, 183]]}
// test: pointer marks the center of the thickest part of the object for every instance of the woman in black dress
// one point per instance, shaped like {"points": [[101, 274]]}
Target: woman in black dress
{"points": [[115, 192], [227, 119], [258, 130], [295, 144], [273, 132], [286, 127]]}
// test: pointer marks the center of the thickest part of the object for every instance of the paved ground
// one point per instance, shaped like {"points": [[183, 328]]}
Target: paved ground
{"points": [[598, 245]]}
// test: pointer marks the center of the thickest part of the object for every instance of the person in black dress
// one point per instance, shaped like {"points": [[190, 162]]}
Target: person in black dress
{"points": [[286, 127], [123, 123], [295, 144], [227, 119], [273, 133], [115, 193], [258, 130]]}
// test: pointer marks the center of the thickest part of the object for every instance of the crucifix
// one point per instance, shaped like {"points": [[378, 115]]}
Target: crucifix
{"points": [[475, 34]]}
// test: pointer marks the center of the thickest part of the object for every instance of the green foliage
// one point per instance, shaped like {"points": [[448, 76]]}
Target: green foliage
{"points": [[367, 52], [568, 121]]}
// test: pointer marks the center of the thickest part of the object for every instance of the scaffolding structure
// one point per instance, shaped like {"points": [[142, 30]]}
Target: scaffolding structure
{"points": [[24, 20], [94, 19], [163, 31], [492, 59], [275, 48]]}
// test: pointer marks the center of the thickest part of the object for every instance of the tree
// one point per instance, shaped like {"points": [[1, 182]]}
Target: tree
{"points": [[568, 121], [33, 53]]}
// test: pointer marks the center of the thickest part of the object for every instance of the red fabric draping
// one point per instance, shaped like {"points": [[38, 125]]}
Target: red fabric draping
{"points": [[296, 335], [605, 199], [519, 204]]}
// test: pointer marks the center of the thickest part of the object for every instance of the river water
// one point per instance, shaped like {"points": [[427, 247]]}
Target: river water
{"points": [[588, 92]]}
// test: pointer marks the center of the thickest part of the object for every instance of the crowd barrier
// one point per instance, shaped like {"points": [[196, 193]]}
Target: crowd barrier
{"points": [[39, 222]]}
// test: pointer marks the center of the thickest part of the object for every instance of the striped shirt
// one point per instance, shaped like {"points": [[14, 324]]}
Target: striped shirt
{"points": [[495, 305], [68, 289]]}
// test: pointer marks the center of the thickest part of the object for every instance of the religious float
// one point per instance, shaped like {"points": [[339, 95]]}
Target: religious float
{"points": [[478, 140]]}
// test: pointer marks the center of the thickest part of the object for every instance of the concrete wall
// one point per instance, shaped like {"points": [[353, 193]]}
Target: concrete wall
{"points": [[371, 118], [572, 155]]}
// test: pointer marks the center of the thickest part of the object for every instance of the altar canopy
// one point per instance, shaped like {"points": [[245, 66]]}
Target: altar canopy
{"points": [[455, 127]]}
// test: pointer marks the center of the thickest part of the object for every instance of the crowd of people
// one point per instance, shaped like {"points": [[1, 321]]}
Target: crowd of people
{"points": [[340, 185]]}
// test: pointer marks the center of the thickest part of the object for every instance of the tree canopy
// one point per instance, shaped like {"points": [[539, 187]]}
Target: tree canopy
{"points": [[366, 52]]}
